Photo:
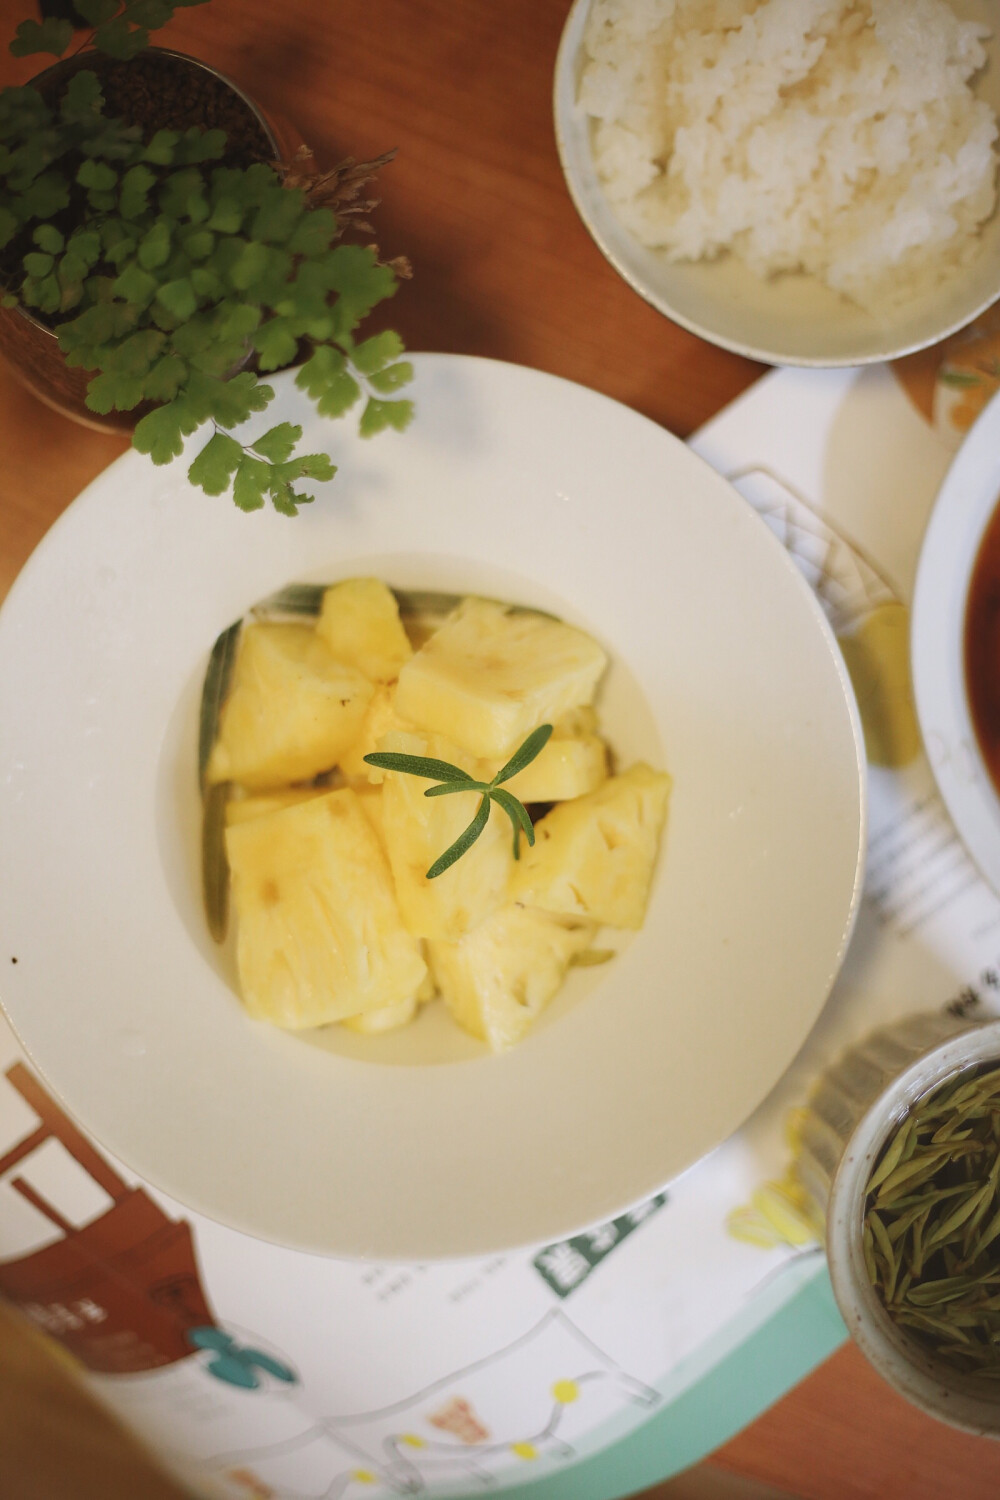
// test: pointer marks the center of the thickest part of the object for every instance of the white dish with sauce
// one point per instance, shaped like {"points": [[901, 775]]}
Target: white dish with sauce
{"points": [[420, 1144], [966, 503]]}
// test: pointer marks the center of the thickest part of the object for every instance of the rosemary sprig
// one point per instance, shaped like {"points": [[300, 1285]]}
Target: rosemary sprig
{"points": [[451, 779]]}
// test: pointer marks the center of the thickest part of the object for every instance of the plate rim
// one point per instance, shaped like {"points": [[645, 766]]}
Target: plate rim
{"points": [[127, 460]]}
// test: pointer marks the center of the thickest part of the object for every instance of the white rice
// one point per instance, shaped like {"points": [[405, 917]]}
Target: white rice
{"points": [[837, 137]]}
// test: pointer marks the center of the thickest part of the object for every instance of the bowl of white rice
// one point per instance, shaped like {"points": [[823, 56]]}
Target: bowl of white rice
{"points": [[806, 182]]}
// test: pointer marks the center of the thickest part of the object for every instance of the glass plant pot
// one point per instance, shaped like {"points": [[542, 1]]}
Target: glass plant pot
{"points": [[192, 89], [858, 1104]]}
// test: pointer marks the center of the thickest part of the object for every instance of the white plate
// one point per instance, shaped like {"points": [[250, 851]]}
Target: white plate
{"points": [[787, 320], [520, 485], [966, 501]]}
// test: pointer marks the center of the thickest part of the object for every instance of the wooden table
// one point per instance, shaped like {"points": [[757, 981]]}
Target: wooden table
{"points": [[504, 268]]}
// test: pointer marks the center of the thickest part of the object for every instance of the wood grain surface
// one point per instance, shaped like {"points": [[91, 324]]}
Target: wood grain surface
{"points": [[502, 268]]}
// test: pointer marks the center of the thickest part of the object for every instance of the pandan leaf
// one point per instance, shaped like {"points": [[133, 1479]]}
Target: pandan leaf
{"points": [[378, 415], [216, 464], [277, 444], [50, 35]]}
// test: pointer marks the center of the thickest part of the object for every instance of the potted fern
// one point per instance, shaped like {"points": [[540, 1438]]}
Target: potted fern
{"points": [[153, 270]]}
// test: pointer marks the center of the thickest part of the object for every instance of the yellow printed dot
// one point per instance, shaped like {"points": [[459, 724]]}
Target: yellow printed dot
{"points": [[524, 1450], [565, 1391], [364, 1476], [412, 1440]]}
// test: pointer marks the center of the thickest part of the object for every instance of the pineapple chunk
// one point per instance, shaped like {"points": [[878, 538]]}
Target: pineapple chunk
{"points": [[500, 976], [359, 621], [319, 933], [418, 829], [291, 711], [567, 766], [370, 802], [386, 1018], [391, 1017], [491, 674], [380, 717], [242, 809], [594, 857]]}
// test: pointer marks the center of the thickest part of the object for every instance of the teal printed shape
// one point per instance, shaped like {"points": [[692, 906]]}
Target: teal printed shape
{"points": [[237, 1364], [566, 1265]]}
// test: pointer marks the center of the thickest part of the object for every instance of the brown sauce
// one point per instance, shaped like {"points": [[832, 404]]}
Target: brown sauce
{"points": [[982, 647]]}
